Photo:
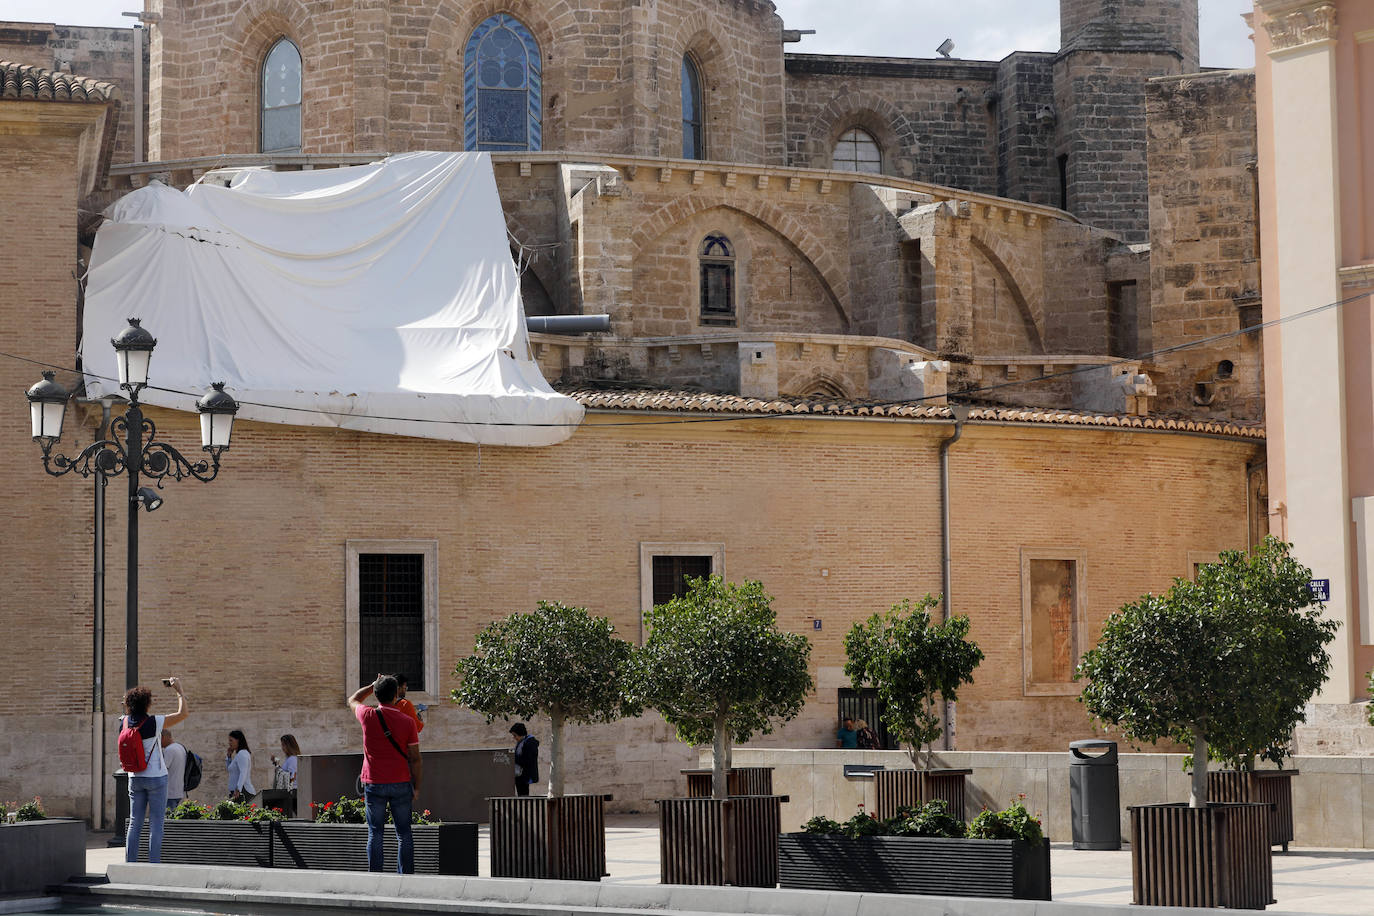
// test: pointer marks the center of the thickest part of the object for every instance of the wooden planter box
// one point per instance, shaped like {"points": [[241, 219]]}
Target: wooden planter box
{"points": [[916, 865], [738, 781], [1273, 787], [540, 837], [230, 844], [1218, 856], [37, 854], [897, 789], [440, 849], [720, 841]]}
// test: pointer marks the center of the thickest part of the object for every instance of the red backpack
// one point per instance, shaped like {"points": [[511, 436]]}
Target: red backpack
{"points": [[131, 754]]}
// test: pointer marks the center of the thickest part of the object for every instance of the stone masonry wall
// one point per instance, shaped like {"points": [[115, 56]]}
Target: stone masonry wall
{"points": [[99, 53], [1204, 242]]}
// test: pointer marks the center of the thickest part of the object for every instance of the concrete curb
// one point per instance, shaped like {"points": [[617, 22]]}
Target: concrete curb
{"points": [[352, 891]]}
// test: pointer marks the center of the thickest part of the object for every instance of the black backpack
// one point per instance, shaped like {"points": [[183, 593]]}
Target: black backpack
{"points": [[192, 771]]}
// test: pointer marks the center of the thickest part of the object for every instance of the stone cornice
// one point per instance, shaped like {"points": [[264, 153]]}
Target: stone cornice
{"points": [[1293, 25], [1357, 277]]}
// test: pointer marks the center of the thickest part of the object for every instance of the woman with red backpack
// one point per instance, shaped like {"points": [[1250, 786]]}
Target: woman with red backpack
{"points": [[140, 755]]}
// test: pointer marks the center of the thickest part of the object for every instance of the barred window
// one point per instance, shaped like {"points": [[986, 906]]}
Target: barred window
{"points": [[391, 616], [281, 99], [671, 575], [717, 264]]}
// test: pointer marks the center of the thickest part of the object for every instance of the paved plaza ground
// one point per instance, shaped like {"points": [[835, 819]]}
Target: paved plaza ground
{"points": [[1339, 882]]}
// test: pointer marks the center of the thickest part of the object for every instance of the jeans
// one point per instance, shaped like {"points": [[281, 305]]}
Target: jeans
{"points": [[172, 804], [146, 794], [398, 795]]}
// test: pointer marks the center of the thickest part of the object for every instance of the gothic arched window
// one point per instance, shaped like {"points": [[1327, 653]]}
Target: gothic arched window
{"points": [[693, 143], [502, 87], [857, 151], [281, 99], [717, 264]]}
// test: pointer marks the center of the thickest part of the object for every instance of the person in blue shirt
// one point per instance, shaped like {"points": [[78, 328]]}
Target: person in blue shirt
{"points": [[847, 736]]}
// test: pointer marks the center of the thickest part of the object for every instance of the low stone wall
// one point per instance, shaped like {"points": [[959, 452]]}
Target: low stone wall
{"points": [[1333, 797]]}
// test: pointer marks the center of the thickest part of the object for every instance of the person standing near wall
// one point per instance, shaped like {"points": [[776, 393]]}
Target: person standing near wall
{"points": [[148, 786], [239, 763], [526, 758], [391, 770], [175, 755], [405, 705]]}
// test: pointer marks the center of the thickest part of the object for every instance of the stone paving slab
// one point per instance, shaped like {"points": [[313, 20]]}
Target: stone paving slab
{"points": [[1313, 882]]}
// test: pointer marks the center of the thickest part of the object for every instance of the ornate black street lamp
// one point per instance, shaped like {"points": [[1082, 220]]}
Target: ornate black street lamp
{"points": [[132, 448]]}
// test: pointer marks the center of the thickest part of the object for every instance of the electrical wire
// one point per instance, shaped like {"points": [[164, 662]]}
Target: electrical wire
{"points": [[735, 418]]}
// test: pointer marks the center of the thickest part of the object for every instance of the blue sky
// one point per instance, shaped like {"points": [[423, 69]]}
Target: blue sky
{"points": [[980, 29]]}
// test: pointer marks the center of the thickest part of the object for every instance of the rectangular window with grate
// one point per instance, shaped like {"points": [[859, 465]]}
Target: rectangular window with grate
{"points": [[864, 705], [671, 574], [391, 616]]}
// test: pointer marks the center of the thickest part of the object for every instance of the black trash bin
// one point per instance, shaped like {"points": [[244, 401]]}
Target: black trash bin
{"points": [[1094, 794]]}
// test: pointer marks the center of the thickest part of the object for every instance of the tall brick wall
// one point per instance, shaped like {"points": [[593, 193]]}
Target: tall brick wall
{"points": [[1204, 255], [1025, 136], [516, 525], [389, 76], [91, 51]]}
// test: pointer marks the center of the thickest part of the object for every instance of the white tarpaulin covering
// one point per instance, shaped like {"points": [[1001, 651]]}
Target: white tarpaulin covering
{"points": [[380, 298]]}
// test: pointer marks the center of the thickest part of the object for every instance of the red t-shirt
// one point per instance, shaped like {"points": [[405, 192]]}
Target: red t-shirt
{"points": [[381, 762]]}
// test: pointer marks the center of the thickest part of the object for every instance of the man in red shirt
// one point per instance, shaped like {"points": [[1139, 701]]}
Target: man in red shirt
{"points": [[391, 770]]}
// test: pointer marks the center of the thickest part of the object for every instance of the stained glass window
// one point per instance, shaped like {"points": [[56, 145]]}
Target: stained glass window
{"points": [[857, 151], [693, 145], [502, 87], [281, 99], [717, 264]]}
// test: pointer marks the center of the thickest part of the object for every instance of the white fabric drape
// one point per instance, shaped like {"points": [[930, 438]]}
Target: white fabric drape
{"points": [[379, 298]]}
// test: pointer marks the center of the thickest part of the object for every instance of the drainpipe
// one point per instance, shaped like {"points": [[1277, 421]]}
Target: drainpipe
{"points": [[960, 414]]}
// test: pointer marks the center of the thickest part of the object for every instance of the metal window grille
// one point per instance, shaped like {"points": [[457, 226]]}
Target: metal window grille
{"points": [[391, 616], [671, 574], [864, 704]]}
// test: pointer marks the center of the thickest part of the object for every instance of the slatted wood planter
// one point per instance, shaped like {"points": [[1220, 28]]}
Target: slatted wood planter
{"points": [[1218, 856], [540, 837], [937, 866], [720, 841], [738, 781], [440, 849], [230, 844], [1273, 787], [897, 789]]}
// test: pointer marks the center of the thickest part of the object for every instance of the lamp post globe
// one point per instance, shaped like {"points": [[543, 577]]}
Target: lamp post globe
{"points": [[47, 408], [217, 409], [133, 350]]}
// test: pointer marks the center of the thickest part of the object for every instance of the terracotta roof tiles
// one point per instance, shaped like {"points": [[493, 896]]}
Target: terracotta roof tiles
{"points": [[24, 82]]}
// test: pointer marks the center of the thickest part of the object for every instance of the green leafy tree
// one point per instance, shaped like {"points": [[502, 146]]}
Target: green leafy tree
{"points": [[1225, 663], [718, 668], [911, 660], [559, 661]]}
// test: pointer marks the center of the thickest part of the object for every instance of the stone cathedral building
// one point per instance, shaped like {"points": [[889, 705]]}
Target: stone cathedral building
{"points": [[817, 254]]}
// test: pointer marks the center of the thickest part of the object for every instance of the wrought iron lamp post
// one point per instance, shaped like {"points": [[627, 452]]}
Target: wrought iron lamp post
{"points": [[132, 449]]}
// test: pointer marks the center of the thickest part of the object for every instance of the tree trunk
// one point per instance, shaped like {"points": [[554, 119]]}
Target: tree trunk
{"points": [[1198, 797], [718, 753], [556, 753]]}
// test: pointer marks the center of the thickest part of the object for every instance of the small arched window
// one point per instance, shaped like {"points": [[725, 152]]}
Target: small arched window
{"points": [[281, 98], [502, 87], [857, 151], [693, 143], [717, 263]]}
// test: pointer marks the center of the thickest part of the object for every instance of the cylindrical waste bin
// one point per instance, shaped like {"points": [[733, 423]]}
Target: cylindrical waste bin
{"points": [[1094, 794]]}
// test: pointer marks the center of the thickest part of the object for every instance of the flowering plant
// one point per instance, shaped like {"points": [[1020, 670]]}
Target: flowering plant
{"points": [[354, 811], [1013, 823], [31, 811], [933, 819]]}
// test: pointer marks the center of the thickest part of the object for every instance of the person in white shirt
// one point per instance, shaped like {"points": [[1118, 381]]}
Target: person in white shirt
{"points": [[175, 755], [284, 772], [239, 763], [148, 788]]}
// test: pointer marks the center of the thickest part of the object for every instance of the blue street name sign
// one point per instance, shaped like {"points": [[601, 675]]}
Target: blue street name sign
{"points": [[1321, 589]]}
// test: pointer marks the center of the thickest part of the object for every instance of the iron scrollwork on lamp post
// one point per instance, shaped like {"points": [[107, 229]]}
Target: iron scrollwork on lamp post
{"points": [[132, 449]]}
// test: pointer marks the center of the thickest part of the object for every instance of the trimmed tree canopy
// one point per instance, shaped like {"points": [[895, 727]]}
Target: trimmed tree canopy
{"points": [[558, 660], [909, 660], [717, 667], [1225, 663]]}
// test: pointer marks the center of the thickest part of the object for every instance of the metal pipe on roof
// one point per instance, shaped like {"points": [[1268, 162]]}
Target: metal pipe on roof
{"points": [[568, 324]]}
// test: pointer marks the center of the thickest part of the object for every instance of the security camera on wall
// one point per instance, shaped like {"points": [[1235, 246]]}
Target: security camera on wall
{"points": [[945, 47]]}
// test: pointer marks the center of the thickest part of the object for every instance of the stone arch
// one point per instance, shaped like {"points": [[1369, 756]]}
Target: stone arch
{"points": [[1034, 325], [718, 67], [893, 130], [554, 26], [238, 67], [543, 274], [787, 227], [819, 384]]}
